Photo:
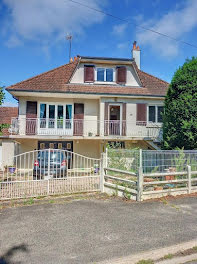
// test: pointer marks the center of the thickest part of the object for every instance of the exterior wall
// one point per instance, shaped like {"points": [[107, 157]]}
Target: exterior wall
{"points": [[1, 167], [27, 145], [132, 79], [22, 115], [91, 111], [88, 148], [8, 152], [131, 112]]}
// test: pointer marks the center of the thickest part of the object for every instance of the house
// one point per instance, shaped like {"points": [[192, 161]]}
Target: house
{"points": [[88, 103], [8, 146]]}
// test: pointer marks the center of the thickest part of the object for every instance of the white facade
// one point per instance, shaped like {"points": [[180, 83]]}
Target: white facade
{"points": [[132, 79]]}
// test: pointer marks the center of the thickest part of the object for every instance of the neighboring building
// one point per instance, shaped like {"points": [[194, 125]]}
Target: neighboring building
{"points": [[88, 103], [8, 147]]}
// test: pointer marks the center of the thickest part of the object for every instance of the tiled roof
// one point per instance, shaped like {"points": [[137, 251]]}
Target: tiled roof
{"points": [[6, 114], [48, 81], [57, 80]]}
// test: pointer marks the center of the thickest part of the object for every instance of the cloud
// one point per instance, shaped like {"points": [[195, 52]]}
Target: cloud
{"points": [[123, 45], [47, 21], [175, 23], [119, 29]]}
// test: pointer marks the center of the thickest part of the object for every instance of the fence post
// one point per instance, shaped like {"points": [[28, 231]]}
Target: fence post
{"points": [[140, 184], [106, 157], [140, 158], [102, 173], [189, 178]]}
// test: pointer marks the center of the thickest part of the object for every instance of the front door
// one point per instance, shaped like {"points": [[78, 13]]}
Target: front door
{"points": [[114, 119]]}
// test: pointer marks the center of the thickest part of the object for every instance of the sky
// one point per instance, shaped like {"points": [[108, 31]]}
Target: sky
{"points": [[33, 34]]}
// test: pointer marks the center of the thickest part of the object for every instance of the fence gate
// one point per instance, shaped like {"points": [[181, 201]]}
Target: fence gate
{"points": [[49, 172]]}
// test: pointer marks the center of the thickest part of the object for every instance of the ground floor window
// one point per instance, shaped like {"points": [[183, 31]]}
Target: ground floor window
{"points": [[116, 144], [65, 145]]}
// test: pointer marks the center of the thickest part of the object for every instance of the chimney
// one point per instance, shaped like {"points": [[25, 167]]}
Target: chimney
{"points": [[136, 53]]}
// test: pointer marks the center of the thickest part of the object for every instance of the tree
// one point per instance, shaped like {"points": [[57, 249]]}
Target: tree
{"points": [[180, 109], [1, 101], [1, 95]]}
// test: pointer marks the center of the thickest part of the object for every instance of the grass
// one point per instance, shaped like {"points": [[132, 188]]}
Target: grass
{"points": [[143, 261], [195, 248], [168, 256], [30, 201]]}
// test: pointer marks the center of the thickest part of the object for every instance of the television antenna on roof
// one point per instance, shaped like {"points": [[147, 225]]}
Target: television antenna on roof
{"points": [[69, 38]]}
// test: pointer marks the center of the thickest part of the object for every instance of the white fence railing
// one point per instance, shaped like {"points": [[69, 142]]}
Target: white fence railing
{"points": [[88, 128], [48, 172]]}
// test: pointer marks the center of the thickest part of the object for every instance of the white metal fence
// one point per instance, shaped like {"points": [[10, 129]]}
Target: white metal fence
{"points": [[49, 172], [150, 174]]}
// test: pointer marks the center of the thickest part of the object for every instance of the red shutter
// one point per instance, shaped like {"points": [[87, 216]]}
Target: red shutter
{"points": [[88, 73], [31, 115], [141, 114], [124, 105], [106, 119], [78, 119], [121, 74]]}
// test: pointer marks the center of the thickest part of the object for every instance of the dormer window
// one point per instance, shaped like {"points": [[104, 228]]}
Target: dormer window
{"points": [[105, 74]]}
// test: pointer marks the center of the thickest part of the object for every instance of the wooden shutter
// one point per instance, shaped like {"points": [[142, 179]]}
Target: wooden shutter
{"points": [[78, 119], [141, 114], [88, 73], [124, 105], [106, 119], [31, 118], [121, 73]]}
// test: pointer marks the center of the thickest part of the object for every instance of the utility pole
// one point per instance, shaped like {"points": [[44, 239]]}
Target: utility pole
{"points": [[69, 38]]}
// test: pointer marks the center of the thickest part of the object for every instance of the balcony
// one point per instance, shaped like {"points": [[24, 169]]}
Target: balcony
{"points": [[84, 128]]}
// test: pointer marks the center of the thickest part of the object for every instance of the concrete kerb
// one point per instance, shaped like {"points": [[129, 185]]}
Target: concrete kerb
{"points": [[157, 254]]}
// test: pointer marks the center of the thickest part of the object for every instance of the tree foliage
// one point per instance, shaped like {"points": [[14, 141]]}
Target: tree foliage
{"points": [[180, 115], [1, 95]]}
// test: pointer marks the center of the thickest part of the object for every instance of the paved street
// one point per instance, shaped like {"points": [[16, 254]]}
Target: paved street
{"points": [[89, 231]]}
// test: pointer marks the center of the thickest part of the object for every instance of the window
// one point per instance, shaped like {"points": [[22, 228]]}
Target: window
{"points": [[68, 116], [101, 74], [51, 116], [56, 116], [43, 108], [105, 75], [60, 116], [109, 75], [160, 114], [155, 114], [152, 114]]}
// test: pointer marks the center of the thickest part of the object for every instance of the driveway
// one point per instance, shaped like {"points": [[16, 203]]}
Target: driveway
{"points": [[89, 231]]}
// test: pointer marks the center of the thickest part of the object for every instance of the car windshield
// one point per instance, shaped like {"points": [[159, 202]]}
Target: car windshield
{"points": [[55, 155]]}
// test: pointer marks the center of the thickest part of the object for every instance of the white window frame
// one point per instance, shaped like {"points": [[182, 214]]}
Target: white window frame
{"points": [[64, 104], [156, 114], [105, 68]]}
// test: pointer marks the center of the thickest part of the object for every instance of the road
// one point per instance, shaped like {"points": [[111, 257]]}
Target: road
{"points": [[93, 230]]}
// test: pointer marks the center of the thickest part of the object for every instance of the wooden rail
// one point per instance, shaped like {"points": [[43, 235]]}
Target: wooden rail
{"points": [[121, 171], [120, 179], [188, 180]]}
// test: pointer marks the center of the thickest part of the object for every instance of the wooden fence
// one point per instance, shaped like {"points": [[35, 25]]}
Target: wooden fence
{"points": [[144, 186]]}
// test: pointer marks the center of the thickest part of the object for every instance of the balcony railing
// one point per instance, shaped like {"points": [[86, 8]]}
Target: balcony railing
{"points": [[86, 128]]}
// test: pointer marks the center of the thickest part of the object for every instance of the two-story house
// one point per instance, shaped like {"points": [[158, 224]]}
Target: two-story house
{"points": [[88, 103]]}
